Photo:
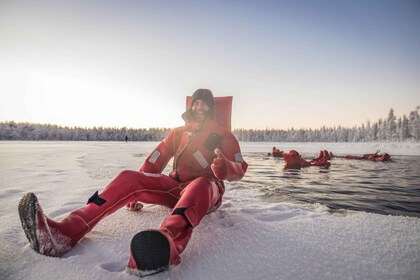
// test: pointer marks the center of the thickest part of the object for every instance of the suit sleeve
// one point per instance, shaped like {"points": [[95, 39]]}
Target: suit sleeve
{"points": [[159, 158], [234, 163]]}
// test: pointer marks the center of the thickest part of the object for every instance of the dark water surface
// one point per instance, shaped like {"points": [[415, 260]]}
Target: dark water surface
{"points": [[378, 187]]}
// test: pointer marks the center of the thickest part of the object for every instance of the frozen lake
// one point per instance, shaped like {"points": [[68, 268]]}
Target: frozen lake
{"points": [[272, 225]]}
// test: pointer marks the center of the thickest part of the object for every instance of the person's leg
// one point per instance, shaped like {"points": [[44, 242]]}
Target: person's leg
{"points": [[320, 156], [52, 238], [156, 250], [200, 197], [326, 155]]}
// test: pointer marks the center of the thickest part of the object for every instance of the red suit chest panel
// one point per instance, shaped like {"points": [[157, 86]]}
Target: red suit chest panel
{"points": [[195, 153]]}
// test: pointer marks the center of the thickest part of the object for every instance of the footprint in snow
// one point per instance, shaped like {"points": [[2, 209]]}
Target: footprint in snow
{"points": [[224, 219], [114, 266]]}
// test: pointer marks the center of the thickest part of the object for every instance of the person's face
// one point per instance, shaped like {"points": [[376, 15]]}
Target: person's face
{"points": [[200, 110]]}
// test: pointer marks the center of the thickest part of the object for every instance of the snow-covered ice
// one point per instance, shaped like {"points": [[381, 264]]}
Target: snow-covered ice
{"points": [[245, 238]]}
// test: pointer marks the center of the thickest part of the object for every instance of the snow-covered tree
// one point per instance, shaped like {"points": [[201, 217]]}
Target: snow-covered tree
{"points": [[391, 126]]}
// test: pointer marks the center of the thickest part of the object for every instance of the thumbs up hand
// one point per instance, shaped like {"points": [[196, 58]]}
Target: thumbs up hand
{"points": [[219, 165]]}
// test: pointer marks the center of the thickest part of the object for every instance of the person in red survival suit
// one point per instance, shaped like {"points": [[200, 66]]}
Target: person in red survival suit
{"points": [[277, 152], [293, 160], [204, 155], [375, 156]]}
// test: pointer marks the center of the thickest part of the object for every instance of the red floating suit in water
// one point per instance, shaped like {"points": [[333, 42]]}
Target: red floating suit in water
{"points": [[383, 157], [277, 152], [375, 157], [323, 155], [294, 161]]}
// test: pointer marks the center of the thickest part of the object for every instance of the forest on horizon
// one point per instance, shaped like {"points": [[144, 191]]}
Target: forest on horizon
{"points": [[390, 128]]}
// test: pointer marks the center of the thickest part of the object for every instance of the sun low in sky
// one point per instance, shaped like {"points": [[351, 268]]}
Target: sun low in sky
{"points": [[287, 64]]}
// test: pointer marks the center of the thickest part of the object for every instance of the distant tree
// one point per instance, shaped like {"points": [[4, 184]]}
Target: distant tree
{"points": [[414, 125], [405, 130], [391, 126]]}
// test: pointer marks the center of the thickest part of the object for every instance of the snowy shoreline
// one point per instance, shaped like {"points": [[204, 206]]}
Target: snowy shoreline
{"points": [[244, 239]]}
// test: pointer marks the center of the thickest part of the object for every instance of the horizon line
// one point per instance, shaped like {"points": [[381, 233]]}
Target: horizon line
{"points": [[170, 128]]}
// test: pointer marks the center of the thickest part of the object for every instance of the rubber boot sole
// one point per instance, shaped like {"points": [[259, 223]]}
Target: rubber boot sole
{"points": [[151, 251], [27, 212], [42, 238]]}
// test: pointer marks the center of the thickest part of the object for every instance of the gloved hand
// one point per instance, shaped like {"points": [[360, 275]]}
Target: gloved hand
{"points": [[219, 165], [134, 206], [225, 169]]}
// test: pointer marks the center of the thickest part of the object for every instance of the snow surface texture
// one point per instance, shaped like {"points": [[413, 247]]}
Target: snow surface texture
{"points": [[244, 239]]}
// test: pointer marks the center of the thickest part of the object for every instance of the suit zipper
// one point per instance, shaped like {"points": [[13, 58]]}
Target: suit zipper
{"points": [[180, 154]]}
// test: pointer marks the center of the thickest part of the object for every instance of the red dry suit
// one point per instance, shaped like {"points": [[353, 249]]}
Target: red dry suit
{"points": [[277, 152], [293, 160], [191, 189], [375, 156]]}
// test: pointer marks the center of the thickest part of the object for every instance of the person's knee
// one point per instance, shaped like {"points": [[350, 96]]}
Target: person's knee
{"points": [[202, 181], [203, 184], [127, 173], [133, 176], [206, 185]]}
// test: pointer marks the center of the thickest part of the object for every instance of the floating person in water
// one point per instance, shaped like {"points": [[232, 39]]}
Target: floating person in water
{"points": [[323, 154], [293, 160], [377, 156], [277, 152]]}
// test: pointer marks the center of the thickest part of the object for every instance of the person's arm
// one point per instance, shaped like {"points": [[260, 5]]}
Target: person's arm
{"points": [[229, 164], [155, 163], [159, 158]]}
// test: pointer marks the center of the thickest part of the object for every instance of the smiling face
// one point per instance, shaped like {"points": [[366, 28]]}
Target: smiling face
{"points": [[200, 110]]}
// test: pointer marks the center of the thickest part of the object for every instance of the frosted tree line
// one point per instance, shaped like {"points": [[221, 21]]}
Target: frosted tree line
{"points": [[390, 129], [48, 132]]}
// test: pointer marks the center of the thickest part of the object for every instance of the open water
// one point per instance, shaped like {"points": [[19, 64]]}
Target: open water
{"points": [[380, 187]]}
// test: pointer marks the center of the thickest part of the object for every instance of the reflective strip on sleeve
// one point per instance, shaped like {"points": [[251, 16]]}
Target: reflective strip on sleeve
{"points": [[201, 159], [152, 174], [238, 157], [154, 157]]}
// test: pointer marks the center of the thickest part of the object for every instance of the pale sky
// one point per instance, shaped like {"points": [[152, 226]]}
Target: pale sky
{"points": [[287, 64]]}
